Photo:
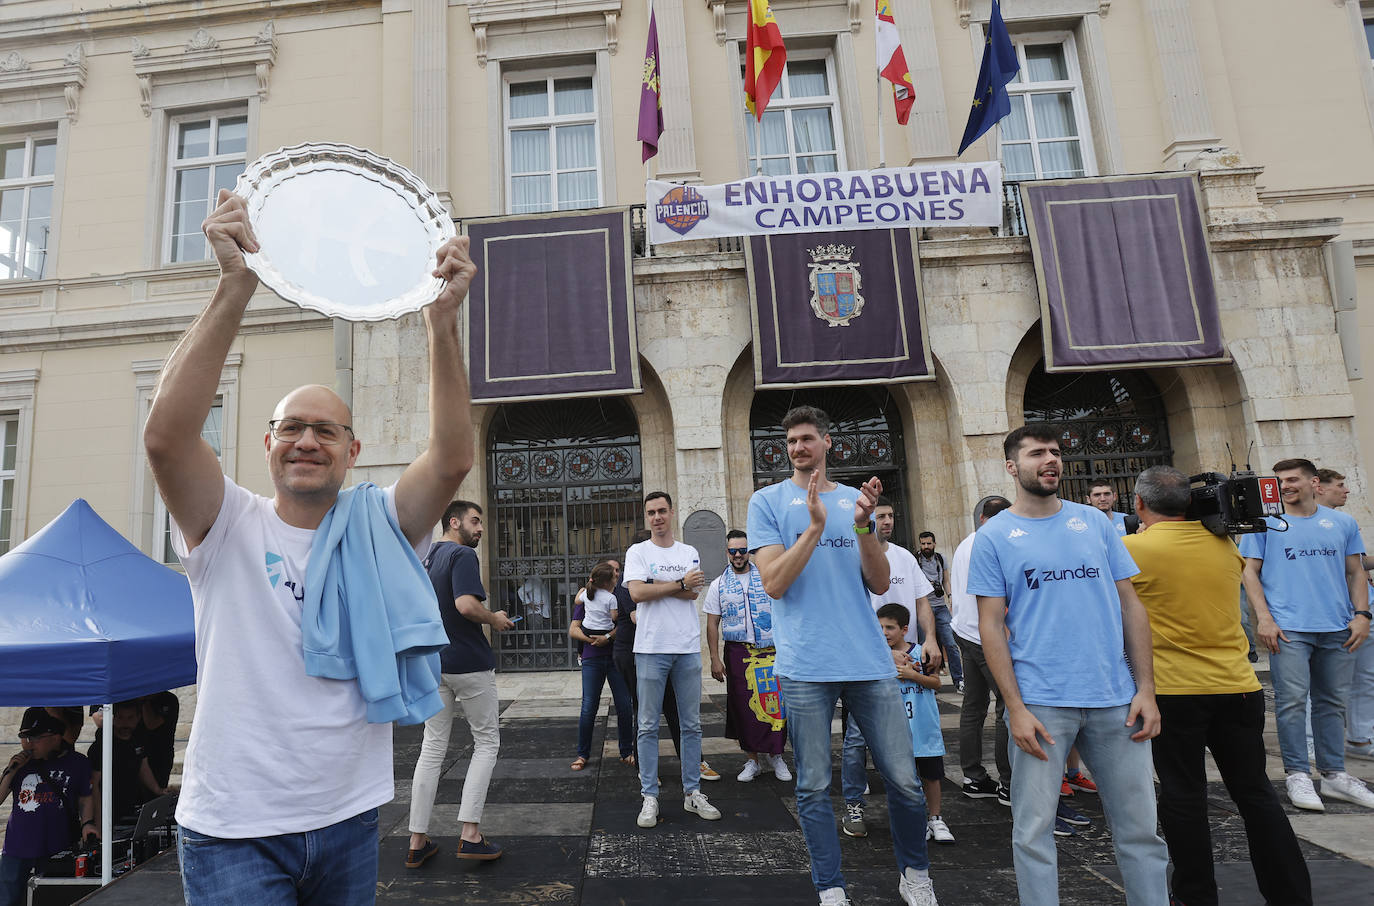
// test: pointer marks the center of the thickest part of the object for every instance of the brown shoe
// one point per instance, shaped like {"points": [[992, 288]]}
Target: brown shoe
{"points": [[417, 857]]}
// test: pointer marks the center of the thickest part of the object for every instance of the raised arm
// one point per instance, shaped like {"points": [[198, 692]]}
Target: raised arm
{"points": [[429, 483], [780, 566], [184, 466], [877, 571]]}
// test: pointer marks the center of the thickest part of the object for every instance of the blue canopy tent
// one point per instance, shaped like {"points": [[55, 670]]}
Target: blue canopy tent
{"points": [[87, 617]]}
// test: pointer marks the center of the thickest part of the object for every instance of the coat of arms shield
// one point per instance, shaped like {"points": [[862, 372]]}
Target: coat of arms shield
{"points": [[835, 283]]}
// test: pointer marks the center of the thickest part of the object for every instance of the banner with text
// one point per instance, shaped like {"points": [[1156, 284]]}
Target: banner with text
{"points": [[897, 197]]}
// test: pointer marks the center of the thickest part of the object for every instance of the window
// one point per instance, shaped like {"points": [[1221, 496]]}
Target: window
{"points": [[9, 456], [801, 125], [207, 153], [1369, 36], [27, 165], [552, 149], [1046, 136], [213, 432]]}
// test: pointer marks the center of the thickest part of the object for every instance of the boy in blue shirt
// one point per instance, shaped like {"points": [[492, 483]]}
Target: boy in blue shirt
{"points": [[1058, 617], [918, 695]]}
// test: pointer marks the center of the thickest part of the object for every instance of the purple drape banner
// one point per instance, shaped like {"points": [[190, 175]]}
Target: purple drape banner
{"points": [[836, 308], [1125, 272], [551, 311]]}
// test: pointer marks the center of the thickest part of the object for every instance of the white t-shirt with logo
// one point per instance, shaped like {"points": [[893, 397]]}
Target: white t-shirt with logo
{"points": [[664, 625], [272, 750], [908, 582]]}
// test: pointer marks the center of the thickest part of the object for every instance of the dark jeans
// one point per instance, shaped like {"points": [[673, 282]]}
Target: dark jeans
{"points": [[596, 672], [1231, 726], [944, 632], [625, 663], [14, 878], [978, 687]]}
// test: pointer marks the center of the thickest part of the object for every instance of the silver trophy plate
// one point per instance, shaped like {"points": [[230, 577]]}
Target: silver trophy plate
{"points": [[344, 232]]}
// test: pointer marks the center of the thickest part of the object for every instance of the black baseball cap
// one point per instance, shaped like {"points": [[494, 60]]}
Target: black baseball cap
{"points": [[38, 721]]}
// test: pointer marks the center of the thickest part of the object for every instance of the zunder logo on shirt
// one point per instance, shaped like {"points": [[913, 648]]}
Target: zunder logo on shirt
{"points": [[1293, 553], [1034, 577]]}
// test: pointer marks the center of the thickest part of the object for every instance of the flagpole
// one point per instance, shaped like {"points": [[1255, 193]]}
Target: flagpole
{"points": [[882, 150], [758, 145]]}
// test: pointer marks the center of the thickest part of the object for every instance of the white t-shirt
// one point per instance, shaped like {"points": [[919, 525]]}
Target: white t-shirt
{"points": [[598, 611], [907, 584], [272, 750], [963, 607], [665, 625]]}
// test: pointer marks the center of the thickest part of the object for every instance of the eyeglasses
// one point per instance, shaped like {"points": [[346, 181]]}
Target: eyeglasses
{"points": [[736, 551], [290, 430]]}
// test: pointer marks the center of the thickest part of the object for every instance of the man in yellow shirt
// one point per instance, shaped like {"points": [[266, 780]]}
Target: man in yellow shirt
{"points": [[1208, 697]]}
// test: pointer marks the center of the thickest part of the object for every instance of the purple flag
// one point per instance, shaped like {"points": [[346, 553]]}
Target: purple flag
{"points": [[836, 308], [1125, 272], [650, 98], [552, 312]]}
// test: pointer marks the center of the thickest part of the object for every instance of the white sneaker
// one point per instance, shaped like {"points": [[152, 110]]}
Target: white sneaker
{"points": [[780, 768], [648, 813], [751, 770], [916, 891], [938, 830], [834, 896], [1301, 793], [1342, 786], [696, 803]]}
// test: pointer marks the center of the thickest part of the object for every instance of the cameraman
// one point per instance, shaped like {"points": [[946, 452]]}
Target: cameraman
{"points": [[1208, 697]]}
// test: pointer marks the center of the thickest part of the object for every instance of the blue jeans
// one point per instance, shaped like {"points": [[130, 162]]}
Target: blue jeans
{"points": [[654, 672], [853, 762], [332, 866], [1359, 709], [596, 672], [1315, 664], [944, 634], [14, 878], [1122, 769], [876, 707]]}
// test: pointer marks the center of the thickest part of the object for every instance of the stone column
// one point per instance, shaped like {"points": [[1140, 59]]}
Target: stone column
{"points": [[677, 150], [429, 19], [1187, 115]]}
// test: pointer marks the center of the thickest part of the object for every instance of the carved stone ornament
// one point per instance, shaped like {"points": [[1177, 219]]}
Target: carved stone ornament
{"points": [[13, 62], [1103, 7], [201, 40], [263, 71], [855, 17], [76, 56], [268, 33], [145, 94], [612, 31], [479, 32], [140, 50], [718, 15], [964, 8], [71, 95]]}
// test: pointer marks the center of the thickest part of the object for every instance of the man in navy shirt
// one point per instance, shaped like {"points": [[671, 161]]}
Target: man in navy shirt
{"points": [[1307, 585], [1058, 617], [469, 681]]}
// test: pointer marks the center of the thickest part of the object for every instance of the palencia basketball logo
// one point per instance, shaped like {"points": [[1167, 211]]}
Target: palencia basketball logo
{"points": [[681, 209]]}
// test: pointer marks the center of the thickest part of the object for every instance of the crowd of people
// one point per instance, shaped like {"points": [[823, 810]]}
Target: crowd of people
{"points": [[1123, 653], [56, 789]]}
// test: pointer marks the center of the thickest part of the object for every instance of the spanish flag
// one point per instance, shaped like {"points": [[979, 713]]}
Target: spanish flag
{"points": [[765, 57]]}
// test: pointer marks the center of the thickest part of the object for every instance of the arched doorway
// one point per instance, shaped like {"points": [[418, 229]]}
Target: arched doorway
{"points": [[865, 434], [565, 491], [1114, 422]]}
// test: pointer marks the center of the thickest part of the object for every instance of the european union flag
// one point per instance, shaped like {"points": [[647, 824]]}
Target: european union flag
{"points": [[990, 101]]}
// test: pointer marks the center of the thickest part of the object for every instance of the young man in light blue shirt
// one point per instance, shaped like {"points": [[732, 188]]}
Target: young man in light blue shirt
{"points": [[1307, 585], [1058, 618], [819, 558], [1102, 495]]}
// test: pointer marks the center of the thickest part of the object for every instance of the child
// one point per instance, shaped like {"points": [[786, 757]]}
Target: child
{"points": [[918, 693]]}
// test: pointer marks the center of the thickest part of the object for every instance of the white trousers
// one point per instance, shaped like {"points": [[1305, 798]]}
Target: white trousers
{"points": [[475, 693]]}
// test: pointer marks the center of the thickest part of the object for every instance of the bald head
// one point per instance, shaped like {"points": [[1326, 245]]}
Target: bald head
{"points": [[314, 402]]}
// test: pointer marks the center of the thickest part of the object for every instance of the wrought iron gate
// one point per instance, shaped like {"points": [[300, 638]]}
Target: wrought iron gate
{"points": [[865, 440], [1114, 422], [565, 491]]}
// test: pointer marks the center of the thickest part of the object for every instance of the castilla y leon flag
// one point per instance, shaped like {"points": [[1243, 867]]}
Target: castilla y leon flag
{"points": [[765, 57], [650, 96], [891, 61]]}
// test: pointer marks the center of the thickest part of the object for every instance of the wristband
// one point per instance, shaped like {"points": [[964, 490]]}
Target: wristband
{"points": [[682, 583], [1366, 614], [864, 529]]}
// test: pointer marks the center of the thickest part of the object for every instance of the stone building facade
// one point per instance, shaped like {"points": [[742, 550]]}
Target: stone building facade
{"points": [[114, 109]]}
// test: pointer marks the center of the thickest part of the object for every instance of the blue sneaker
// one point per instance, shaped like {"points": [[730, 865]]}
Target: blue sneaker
{"points": [[1062, 829], [1070, 816]]}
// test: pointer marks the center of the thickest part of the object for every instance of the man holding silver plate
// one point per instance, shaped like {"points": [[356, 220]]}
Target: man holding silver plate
{"points": [[290, 752]]}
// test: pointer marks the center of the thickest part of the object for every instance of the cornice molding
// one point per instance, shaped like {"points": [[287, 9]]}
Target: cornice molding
{"points": [[494, 17], [65, 77], [18, 29], [203, 53]]}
